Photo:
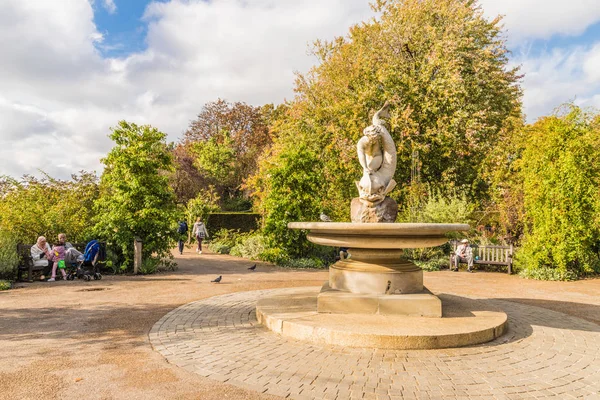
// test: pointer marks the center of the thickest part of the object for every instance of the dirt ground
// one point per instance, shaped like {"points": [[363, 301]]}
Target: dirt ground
{"points": [[89, 340]]}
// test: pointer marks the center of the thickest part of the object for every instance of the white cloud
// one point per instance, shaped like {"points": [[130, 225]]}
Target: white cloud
{"points": [[59, 96], [540, 19], [560, 76], [109, 5]]}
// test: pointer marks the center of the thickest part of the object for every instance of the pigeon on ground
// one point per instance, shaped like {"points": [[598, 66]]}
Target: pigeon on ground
{"points": [[325, 218], [252, 268], [217, 280]]}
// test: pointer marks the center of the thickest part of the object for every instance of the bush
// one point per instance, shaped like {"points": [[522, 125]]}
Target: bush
{"points": [[430, 206], [311, 262], [8, 256], [428, 253], [222, 241], [30, 207], [5, 285], [548, 274], [560, 166], [238, 221], [239, 204], [433, 264], [275, 255], [249, 246]]}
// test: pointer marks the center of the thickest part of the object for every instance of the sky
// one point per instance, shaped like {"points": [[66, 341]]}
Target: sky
{"points": [[71, 69]]}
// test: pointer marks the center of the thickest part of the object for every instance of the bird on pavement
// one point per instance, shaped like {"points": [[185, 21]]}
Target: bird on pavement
{"points": [[324, 217], [217, 280], [252, 268]]}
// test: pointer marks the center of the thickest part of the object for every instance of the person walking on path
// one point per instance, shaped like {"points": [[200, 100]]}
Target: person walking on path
{"points": [[464, 253], [182, 231], [200, 233]]}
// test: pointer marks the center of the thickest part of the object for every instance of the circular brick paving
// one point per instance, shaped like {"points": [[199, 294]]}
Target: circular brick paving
{"points": [[544, 354]]}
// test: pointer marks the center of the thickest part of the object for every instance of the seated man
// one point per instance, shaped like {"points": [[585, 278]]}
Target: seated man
{"points": [[71, 253], [463, 253]]}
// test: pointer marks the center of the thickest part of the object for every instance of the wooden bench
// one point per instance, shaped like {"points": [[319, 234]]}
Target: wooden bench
{"points": [[488, 255], [26, 262]]}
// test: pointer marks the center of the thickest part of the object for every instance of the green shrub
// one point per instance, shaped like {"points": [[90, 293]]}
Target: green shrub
{"points": [[5, 285], [249, 246], [8, 255], [149, 266], [433, 264], [274, 255], [548, 274], [429, 253], [237, 221], [239, 204], [311, 262], [222, 241], [560, 166]]}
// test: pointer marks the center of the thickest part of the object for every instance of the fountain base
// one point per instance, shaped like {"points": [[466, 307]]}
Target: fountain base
{"points": [[293, 313], [423, 304]]}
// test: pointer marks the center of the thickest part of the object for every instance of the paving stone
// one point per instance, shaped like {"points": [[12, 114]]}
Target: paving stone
{"points": [[544, 354]]}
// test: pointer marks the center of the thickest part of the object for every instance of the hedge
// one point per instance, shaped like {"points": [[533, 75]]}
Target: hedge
{"points": [[245, 222]]}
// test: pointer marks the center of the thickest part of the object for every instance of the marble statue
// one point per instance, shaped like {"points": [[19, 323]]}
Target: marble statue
{"points": [[377, 156]]}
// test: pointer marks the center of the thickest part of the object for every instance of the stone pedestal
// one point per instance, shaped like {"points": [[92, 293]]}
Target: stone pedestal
{"points": [[423, 304], [377, 281], [376, 271]]}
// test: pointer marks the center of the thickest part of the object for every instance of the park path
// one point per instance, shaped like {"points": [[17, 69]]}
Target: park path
{"points": [[89, 340]]}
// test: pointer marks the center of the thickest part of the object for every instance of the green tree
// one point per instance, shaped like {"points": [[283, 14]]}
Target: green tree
{"points": [[560, 169], [135, 197], [294, 194], [217, 160], [444, 68]]}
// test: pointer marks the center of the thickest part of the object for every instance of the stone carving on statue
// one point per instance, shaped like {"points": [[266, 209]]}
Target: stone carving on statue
{"points": [[377, 156]]}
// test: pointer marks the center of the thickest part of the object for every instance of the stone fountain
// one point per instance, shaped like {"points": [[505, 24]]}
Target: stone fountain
{"points": [[375, 297]]}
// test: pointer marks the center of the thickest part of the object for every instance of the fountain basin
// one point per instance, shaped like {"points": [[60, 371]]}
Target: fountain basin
{"points": [[377, 235], [376, 265]]}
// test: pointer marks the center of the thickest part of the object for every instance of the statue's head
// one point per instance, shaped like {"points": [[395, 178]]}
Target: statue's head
{"points": [[372, 132]]}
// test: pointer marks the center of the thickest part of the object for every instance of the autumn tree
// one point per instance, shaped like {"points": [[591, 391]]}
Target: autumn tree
{"points": [[185, 179], [225, 141], [443, 66]]}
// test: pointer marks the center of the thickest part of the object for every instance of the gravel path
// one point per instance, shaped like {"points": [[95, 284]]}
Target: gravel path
{"points": [[89, 340]]}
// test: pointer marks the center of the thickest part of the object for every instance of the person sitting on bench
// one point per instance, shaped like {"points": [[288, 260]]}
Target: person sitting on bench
{"points": [[464, 254], [42, 256]]}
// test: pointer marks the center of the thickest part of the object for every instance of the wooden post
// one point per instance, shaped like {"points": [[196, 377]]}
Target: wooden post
{"points": [[511, 260], [137, 254]]}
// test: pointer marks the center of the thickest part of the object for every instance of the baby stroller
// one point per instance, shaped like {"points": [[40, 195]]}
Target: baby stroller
{"points": [[88, 267]]}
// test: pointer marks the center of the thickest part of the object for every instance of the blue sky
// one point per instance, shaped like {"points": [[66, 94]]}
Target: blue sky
{"points": [[72, 72], [124, 29]]}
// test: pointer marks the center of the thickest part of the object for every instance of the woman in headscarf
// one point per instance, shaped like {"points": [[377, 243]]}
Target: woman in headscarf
{"points": [[41, 255]]}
